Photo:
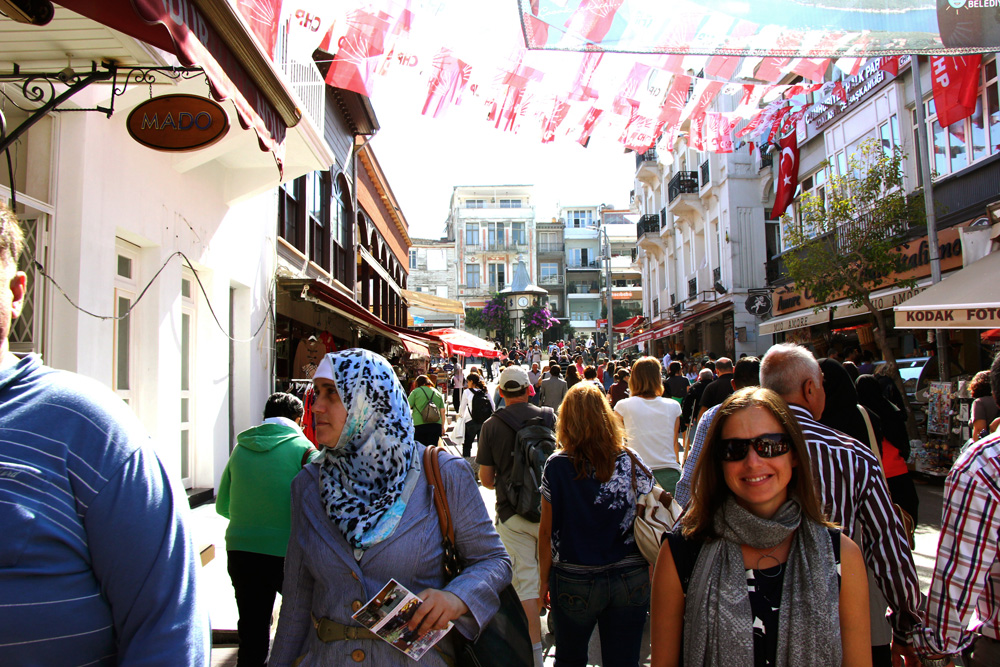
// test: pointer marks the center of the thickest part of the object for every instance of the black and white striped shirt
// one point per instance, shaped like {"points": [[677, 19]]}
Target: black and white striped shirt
{"points": [[855, 496]]}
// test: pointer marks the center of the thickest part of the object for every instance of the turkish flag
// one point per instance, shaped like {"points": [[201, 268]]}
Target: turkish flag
{"points": [[956, 82], [788, 174]]}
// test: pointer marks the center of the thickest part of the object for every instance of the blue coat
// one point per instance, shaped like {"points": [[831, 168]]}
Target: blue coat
{"points": [[323, 577]]}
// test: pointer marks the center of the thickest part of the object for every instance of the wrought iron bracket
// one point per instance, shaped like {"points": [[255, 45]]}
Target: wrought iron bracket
{"points": [[50, 89]]}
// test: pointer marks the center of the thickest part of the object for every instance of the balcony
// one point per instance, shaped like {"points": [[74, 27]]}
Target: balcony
{"points": [[584, 266], [305, 78], [551, 248], [682, 196], [582, 288], [550, 280], [693, 288], [581, 233], [683, 182], [647, 168], [706, 174], [648, 224], [766, 160]]}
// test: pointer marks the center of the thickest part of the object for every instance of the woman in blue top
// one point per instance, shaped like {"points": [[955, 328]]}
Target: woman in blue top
{"points": [[588, 557]]}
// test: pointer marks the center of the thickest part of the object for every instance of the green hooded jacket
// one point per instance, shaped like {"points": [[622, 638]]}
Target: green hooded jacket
{"points": [[255, 491]]}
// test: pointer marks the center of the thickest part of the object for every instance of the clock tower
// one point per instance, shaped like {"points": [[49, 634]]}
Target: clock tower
{"points": [[521, 295]]}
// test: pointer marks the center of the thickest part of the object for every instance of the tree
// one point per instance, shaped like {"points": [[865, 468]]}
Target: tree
{"points": [[537, 319], [496, 319], [847, 244]]}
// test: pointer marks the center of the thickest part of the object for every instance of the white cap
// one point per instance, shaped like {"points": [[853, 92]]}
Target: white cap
{"points": [[513, 378]]}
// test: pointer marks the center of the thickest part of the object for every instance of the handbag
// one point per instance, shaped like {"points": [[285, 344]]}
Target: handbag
{"points": [[504, 641], [656, 512], [430, 413], [909, 525]]}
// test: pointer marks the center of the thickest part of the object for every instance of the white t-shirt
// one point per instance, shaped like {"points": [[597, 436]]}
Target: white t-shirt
{"points": [[649, 429]]}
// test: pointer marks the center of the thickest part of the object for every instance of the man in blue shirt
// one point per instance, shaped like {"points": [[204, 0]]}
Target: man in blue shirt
{"points": [[96, 562]]}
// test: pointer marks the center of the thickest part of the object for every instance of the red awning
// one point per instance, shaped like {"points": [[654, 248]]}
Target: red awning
{"points": [[181, 28], [465, 344], [307, 289], [655, 334]]}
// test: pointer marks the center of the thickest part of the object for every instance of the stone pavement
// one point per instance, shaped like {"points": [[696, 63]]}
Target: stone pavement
{"points": [[209, 527]]}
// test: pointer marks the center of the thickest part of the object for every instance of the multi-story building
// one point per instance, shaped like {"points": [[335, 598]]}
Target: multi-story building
{"points": [[626, 273], [583, 270], [432, 272], [701, 246], [263, 268], [491, 225], [550, 259]]}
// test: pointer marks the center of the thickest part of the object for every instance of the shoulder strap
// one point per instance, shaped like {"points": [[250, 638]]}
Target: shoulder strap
{"points": [[429, 398], [432, 468], [875, 446], [507, 419]]}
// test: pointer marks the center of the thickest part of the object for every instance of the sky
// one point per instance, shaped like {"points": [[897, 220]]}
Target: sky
{"points": [[425, 157]]}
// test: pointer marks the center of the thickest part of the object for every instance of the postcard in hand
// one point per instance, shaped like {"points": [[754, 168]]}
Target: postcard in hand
{"points": [[387, 614]]}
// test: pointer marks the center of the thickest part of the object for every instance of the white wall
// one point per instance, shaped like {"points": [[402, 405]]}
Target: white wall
{"points": [[107, 186]]}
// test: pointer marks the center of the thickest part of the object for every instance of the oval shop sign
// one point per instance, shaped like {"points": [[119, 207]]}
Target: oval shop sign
{"points": [[176, 123]]}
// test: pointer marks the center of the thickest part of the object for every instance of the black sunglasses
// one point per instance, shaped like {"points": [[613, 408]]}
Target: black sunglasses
{"points": [[767, 446]]}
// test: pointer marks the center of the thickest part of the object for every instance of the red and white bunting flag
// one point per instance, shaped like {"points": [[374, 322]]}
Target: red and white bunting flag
{"points": [[771, 69], [580, 90], [956, 81], [776, 123], [264, 17], [704, 92], [890, 65], [850, 66], [309, 22], [593, 18], [640, 133], [673, 103], [589, 122], [717, 133], [449, 79], [722, 67], [360, 52], [788, 174], [626, 100], [695, 132], [552, 121], [813, 69]]}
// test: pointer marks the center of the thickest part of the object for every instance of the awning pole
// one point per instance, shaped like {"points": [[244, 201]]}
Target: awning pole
{"points": [[926, 182]]}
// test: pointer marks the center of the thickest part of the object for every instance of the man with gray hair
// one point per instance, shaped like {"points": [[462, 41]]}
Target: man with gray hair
{"points": [[97, 561], [854, 492]]}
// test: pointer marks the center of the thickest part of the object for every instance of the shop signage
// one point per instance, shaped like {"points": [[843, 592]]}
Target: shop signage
{"points": [[917, 257], [177, 123], [857, 88], [949, 318], [621, 295], [758, 304]]}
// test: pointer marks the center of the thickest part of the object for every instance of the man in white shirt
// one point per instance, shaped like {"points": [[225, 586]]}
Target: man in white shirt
{"points": [[666, 360]]}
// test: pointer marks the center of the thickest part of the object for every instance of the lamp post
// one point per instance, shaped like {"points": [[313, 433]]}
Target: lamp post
{"points": [[607, 280]]}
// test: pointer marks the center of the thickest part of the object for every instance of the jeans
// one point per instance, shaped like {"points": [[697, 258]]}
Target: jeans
{"points": [[617, 601], [427, 434], [472, 430], [256, 579]]}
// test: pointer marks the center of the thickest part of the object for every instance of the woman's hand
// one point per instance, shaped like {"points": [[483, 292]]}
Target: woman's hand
{"points": [[543, 594], [439, 608]]}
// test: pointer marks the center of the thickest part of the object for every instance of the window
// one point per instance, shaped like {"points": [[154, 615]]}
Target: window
{"points": [[442, 291], [813, 185], [517, 234], [472, 233], [581, 218], [291, 213], [187, 386], [579, 257], [497, 273], [475, 203], [957, 146], [549, 242], [413, 259], [126, 288], [548, 273], [495, 235], [318, 212], [510, 203], [472, 275], [27, 331]]}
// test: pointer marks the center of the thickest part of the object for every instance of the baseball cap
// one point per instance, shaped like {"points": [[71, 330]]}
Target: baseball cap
{"points": [[513, 378]]}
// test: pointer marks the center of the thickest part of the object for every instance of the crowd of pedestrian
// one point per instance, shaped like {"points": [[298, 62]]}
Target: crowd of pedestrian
{"points": [[794, 546]]}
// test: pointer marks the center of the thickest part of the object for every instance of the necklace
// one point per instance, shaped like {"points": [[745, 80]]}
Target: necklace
{"points": [[769, 554]]}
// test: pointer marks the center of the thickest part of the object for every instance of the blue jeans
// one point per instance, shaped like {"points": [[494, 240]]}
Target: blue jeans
{"points": [[615, 600]]}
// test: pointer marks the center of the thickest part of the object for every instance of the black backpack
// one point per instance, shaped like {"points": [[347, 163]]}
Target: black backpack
{"points": [[481, 409], [534, 443]]}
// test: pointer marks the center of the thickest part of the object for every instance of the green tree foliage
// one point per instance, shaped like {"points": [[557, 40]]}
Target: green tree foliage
{"points": [[537, 319], [846, 244]]}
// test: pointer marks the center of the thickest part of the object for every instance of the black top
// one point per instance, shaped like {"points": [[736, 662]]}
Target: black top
{"points": [[717, 391], [763, 589], [677, 386]]}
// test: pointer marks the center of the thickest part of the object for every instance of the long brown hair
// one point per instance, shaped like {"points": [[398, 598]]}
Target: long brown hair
{"points": [[589, 432], [646, 379], [708, 488]]}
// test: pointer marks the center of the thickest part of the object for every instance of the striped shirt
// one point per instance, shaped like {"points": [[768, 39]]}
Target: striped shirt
{"points": [[96, 564], [964, 597], [855, 495], [683, 491]]}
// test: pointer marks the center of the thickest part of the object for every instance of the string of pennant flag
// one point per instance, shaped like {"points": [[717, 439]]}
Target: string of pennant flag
{"points": [[638, 100]]}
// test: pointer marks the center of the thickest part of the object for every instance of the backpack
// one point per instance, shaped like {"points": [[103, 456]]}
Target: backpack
{"points": [[481, 409], [534, 443], [430, 413]]}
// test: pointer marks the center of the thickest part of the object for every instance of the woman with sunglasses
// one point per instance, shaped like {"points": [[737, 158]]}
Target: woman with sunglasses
{"points": [[756, 575]]}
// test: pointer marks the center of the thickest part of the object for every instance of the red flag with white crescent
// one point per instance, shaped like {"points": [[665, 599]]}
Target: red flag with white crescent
{"points": [[788, 174], [956, 81]]}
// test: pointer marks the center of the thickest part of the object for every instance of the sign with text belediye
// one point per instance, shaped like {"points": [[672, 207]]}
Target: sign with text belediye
{"points": [[178, 123]]}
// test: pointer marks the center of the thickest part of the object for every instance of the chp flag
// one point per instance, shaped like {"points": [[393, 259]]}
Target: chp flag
{"points": [[955, 80]]}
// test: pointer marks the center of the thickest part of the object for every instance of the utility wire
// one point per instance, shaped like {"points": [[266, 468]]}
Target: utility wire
{"points": [[201, 287]]}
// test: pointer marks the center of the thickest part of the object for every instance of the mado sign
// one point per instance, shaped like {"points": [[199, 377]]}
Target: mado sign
{"points": [[177, 123]]}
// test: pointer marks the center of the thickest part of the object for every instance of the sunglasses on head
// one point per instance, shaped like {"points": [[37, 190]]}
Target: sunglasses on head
{"points": [[767, 446]]}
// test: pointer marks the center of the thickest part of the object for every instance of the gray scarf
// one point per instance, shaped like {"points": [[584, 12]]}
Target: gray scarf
{"points": [[718, 623]]}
